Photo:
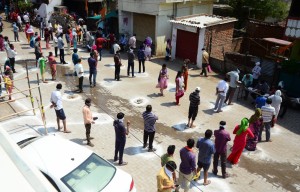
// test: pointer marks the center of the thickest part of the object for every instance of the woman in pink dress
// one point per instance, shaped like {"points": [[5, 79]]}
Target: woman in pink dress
{"points": [[163, 79], [239, 142]]}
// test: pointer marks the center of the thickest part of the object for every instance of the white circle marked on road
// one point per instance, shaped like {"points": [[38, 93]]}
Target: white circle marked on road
{"points": [[71, 97], [139, 101]]}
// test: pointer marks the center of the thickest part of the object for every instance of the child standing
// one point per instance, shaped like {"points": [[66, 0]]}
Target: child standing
{"points": [[8, 84]]}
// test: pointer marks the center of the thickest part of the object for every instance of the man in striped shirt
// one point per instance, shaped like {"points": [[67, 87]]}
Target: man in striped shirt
{"points": [[193, 109], [268, 115], [149, 127]]}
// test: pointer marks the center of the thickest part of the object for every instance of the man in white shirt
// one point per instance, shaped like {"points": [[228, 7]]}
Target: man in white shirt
{"points": [[26, 18], [80, 73], [11, 54], [268, 115], [256, 73], [221, 91], [56, 101], [50, 30], [233, 83], [19, 22], [116, 47]]}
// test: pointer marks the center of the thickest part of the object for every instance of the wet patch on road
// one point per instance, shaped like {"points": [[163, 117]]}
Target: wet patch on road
{"points": [[281, 175], [112, 65]]}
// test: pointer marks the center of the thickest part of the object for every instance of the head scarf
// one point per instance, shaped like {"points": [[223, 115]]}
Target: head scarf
{"points": [[255, 116], [278, 93], [243, 126]]}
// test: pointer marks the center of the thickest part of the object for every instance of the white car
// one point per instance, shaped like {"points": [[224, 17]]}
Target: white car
{"points": [[71, 167]]}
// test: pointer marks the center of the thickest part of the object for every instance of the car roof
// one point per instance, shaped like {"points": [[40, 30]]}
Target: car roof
{"points": [[56, 156]]}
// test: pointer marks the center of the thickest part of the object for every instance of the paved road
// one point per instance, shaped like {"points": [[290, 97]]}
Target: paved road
{"points": [[272, 167]]}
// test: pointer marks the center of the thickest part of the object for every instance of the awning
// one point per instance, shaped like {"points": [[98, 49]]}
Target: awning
{"points": [[111, 14], [97, 17], [202, 21], [277, 41]]}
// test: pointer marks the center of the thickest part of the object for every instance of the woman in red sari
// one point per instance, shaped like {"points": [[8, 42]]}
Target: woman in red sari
{"points": [[2, 48], [25, 30], [52, 64], [239, 142]]}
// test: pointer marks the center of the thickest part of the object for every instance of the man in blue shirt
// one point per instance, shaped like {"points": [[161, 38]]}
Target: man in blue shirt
{"points": [[75, 56], [93, 69], [121, 133], [260, 101], [206, 150], [141, 58]]}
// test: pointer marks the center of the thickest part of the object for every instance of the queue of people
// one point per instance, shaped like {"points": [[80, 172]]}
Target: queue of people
{"points": [[247, 134]]}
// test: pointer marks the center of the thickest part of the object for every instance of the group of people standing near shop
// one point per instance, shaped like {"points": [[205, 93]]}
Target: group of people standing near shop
{"points": [[248, 133], [209, 151]]}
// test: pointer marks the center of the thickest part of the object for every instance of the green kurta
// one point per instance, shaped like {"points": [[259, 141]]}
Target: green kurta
{"points": [[42, 65]]}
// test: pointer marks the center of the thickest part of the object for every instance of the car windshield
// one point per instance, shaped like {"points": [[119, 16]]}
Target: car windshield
{"points": [[92, 175]]}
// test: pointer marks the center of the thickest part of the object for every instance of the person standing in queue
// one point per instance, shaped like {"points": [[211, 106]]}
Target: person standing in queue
{"points": [[88, 120], [121, 133]]}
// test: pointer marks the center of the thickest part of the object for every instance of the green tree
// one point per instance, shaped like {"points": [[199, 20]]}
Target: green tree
{"points": [[24, 6], [259, 9]]}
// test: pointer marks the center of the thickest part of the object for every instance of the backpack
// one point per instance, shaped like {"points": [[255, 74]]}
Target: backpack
{"points": [[32, 42]]}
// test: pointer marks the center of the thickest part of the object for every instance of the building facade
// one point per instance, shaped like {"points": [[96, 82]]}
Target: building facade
{"points": [[192, 33], [151, 18]]}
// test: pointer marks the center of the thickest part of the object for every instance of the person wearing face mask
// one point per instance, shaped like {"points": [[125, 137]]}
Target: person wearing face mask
{"points": [[88, 120], [121, 133], [165, 182]]}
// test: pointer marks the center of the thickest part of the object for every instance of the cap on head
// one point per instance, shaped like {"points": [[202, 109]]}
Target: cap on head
{"points": [[120, 115], [257, 63], [198, 89]]}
